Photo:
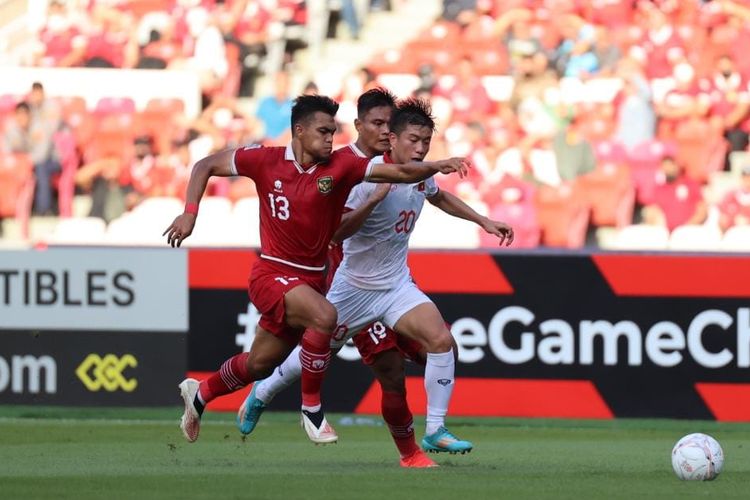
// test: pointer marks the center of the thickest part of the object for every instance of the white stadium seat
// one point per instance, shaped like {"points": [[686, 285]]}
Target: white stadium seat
{"points": [[641, 237], [696, 237], [78, 231], [736, 239]]}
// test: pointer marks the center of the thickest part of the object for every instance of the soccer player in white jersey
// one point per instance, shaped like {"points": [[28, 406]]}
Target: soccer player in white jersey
{"points": [[373, 282]]}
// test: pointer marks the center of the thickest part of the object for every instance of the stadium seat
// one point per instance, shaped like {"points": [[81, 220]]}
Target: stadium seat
{"points": [[65, 143], [108, 105], [563, 215], [736, 239], [644, 162], [611, 193], [78, 231], [16, 185], [641, 237], [610, 151], [521, 217], [698, 237], [70, 105]]}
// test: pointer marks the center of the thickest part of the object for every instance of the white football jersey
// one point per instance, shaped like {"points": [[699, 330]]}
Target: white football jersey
{"points": [[375, 256]]}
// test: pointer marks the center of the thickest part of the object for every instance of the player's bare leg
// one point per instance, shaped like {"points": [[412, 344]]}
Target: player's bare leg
{"points": [[307, 308], [388, 368], [267, 352], [425, 324]]}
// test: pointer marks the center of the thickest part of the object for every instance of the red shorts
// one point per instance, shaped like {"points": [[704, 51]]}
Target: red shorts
{"points": [[269, 283], [377, 338]]}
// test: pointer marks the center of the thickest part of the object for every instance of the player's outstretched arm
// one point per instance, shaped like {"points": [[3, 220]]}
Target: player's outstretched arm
{"points": [[408, 173], [452, 205], [217, 164]]}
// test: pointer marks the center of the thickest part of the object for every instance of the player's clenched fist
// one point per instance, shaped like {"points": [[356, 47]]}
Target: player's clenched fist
{"points": [[181, 228]]}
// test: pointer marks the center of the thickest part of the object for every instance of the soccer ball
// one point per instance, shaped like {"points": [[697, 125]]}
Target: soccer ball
{"points": [[697, 457]]}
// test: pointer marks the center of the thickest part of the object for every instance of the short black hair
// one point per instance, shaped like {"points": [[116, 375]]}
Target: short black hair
{"points": [[412, 111], [305, 106], [375, 98], [37, 86], [23, 106]]}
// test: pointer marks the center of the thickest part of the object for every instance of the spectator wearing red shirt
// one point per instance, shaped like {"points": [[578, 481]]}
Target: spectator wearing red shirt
{"points": [[62, 43], [467, 95], [661, 43], [730, 103], [677, 201], [685, 103], [734, 209]]}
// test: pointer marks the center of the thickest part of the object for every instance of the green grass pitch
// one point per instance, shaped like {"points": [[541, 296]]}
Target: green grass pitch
{"points": [[128, 453]]}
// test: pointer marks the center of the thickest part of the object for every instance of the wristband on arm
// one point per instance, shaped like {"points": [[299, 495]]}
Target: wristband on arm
{"points": [[191, 208]]}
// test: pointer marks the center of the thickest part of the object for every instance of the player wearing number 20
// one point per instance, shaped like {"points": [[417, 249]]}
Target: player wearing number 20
{"points": [[373, 281], [302, 190]]}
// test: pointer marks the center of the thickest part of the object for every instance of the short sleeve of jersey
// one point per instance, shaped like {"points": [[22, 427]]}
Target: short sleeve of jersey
{"points": [[359, 169], [359, 195], [247, 160], [430, 187]]}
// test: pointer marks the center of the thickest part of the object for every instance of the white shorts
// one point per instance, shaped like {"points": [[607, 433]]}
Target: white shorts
{"points": [[358, 307]]}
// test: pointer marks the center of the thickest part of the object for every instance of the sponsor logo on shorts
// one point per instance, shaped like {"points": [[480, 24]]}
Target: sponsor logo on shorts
{"points": [[325, 184], [444, 381], [97, 372]]}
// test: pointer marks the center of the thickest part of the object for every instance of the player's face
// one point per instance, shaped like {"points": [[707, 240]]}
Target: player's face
{"points": [[373, 129], [412, 144], [316, 135]]}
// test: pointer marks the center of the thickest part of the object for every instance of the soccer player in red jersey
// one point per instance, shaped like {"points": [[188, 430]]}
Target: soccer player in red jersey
{"points": [[303, 188], [386, 354]]}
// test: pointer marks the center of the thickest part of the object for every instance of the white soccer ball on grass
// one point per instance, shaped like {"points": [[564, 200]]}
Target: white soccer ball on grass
{"points": [[697, 457]]}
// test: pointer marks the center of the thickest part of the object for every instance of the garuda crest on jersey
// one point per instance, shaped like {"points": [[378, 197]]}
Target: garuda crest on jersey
{"points": [[325, 184]]}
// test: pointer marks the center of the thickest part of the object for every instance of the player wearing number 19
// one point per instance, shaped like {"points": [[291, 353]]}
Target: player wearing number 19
{"points": [[302, 188]]}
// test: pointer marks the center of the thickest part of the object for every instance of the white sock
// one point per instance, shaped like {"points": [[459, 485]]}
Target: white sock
{"points": [[287, 373], [438, 383]]}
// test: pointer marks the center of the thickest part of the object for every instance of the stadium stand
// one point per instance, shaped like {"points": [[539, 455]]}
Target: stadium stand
{"points": [[640, 81]]}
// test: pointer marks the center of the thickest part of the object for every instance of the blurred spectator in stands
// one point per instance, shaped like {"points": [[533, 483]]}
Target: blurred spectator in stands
{"points": [[343, 10], [608, 54], [108, 182], [735, 30], [575, 55], [209, 52], [636, 119], [730, 104], [677, 201], [61, 41], [467, 94], [162, 49], [532, 78], [310, 88], [683, 104], [163, 175], [32, 134], [574, 155], [734, 209], [661, 46], [246, 24], [514, 28], [459, 11], [111, 41], [275, 111]]}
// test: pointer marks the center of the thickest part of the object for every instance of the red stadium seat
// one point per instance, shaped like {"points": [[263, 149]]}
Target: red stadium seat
{"points": [[111, 105], [610, 191], [17, 188], [610, 151], [516, 207], [67, 150], [644, 162], [563, 215]]}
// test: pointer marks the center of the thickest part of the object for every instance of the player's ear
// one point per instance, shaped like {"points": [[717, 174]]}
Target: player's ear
{"points": [[392, 138], [357, 124], [297, 129]]}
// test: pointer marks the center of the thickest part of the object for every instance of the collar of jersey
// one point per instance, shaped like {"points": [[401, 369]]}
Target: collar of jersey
{"points": [[289, 156]]}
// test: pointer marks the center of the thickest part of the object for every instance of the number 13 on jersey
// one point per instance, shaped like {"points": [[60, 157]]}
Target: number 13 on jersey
{"points": [[279, 206]]}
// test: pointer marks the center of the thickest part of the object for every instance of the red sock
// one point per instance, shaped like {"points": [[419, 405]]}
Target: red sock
{"points": [[400, 421], [314, 357], [231, 376]]}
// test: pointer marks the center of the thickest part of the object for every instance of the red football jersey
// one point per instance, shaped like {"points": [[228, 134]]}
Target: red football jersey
{"points": [[300, 208]]}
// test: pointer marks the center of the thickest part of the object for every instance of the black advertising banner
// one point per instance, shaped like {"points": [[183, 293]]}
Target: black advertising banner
{"points": [[91, 368], [544, 334]]}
